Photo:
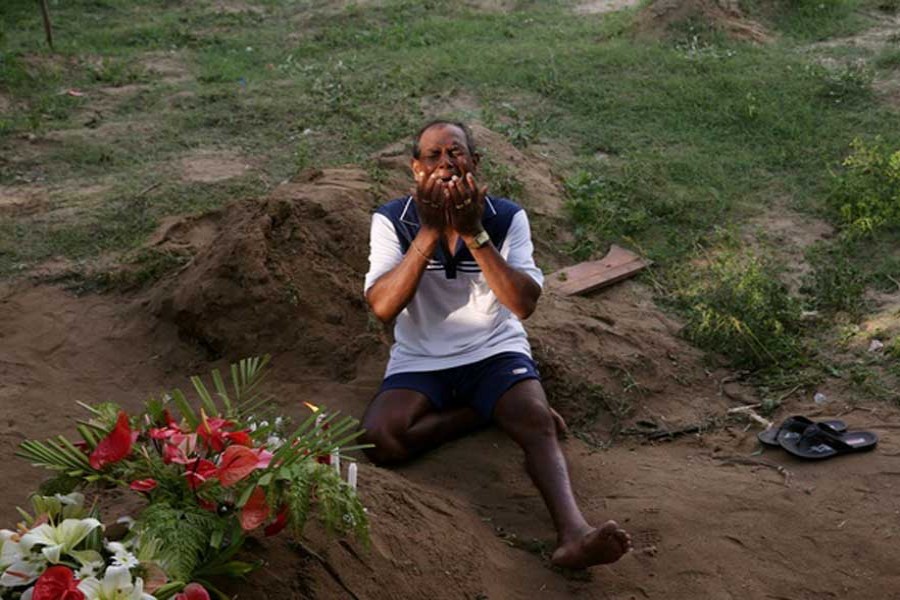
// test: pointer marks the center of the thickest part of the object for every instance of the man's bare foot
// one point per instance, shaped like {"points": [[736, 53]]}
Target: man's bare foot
{"points": [[562, 430], [598, 546]]}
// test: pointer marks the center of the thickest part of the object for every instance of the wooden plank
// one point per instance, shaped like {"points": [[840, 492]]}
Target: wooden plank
{"points": [[618, 264]]}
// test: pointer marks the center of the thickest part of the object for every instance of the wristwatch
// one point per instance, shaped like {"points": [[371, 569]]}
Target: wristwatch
{"points": [[479, 240]]}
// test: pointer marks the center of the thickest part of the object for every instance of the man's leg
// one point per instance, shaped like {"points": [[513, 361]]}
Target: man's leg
{"points": [[523, 413], [403, 424]]}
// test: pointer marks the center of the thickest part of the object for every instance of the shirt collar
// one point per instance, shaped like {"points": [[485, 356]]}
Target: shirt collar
{"points": [[411, 217]]}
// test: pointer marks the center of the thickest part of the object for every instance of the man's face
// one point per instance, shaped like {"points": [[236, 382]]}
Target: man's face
{"points": [[443, 150]]}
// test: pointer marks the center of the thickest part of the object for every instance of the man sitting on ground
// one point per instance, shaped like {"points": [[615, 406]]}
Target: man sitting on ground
{"points": [[454, 267]]}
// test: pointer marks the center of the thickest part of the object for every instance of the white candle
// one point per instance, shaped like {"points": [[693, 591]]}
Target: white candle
{"points": [[319, 418], [351, 475], [336, 461]]}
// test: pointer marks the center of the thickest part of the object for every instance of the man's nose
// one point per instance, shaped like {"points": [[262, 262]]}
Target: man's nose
{"points": [[444, 160]]}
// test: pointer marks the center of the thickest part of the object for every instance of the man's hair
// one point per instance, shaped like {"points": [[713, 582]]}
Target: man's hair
{"points": [[470, 139]]}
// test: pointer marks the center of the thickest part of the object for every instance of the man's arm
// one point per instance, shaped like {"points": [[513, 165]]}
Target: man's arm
{"points": [[396, 276], [514, 288], [393, 290]]}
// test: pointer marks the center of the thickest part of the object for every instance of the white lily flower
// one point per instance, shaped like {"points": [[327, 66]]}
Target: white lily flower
{"points": [[58, 540], [23, 572], [116, 585], [10, 551]]}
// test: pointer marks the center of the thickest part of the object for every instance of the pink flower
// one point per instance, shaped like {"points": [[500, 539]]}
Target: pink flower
{"points": [[115, 446], [178, 447], [256, 511], [143, 485], [193, 591]]}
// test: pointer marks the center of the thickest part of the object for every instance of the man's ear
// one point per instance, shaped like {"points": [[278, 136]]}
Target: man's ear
{"points": [[476, 158], [417, 169]]}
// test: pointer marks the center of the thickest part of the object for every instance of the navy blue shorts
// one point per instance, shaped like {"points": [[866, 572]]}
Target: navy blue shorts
{"points": [[478, 385]]}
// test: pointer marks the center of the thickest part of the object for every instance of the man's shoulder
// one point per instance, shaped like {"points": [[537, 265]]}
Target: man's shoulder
{"points": [[503, 206], [395, 208]]}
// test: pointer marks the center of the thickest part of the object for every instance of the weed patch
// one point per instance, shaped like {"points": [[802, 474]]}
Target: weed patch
{"points": [[835, 283], [865, 196], [734, 305]]}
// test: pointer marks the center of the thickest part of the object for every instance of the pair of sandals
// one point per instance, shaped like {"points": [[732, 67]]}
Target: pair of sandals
{"points": [[812, 440]]}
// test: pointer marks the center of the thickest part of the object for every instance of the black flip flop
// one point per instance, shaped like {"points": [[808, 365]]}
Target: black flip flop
{"points": [[820, 441], [795, 425]]}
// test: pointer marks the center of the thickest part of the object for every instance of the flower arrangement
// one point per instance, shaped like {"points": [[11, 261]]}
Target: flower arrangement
{"points": [[208, 477]]}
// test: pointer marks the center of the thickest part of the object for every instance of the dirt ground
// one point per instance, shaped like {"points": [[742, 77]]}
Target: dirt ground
{"points": [[711, 517]]}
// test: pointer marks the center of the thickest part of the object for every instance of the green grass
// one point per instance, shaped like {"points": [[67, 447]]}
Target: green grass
{"points": [[812, 20], [889, 59]]}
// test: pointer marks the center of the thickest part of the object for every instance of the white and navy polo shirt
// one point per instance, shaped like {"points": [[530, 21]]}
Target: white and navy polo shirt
{"points": [[454, 318]]}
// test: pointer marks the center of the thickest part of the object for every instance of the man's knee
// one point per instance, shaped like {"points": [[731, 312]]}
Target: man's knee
{"points": [[525, 414], [386, 446]]}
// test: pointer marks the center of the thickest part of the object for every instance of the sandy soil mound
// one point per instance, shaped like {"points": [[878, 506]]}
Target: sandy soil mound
{"points": [[613, 361], [658, 17], [278, 273]]}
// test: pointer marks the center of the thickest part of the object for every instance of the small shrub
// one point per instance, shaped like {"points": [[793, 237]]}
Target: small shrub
{"points": [[865, 196], [117, 72], [736, 306], [847, 85], [835, 283]]}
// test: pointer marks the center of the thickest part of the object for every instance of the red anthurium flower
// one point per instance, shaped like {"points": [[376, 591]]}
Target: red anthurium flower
{"points": [[279, 523], [57, 583], [239, 461], [170, 420], [143, 485], [193, 591], [213, 431], [256, 511], [198, 470], [115, 446], [241, 438]]}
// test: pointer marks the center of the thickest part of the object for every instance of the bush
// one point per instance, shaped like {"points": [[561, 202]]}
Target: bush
{"points": [[866, 195], [835, 283], [736, 306]]}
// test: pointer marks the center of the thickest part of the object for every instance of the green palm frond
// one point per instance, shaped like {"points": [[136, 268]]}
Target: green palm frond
{"points": [[58, 455]]}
